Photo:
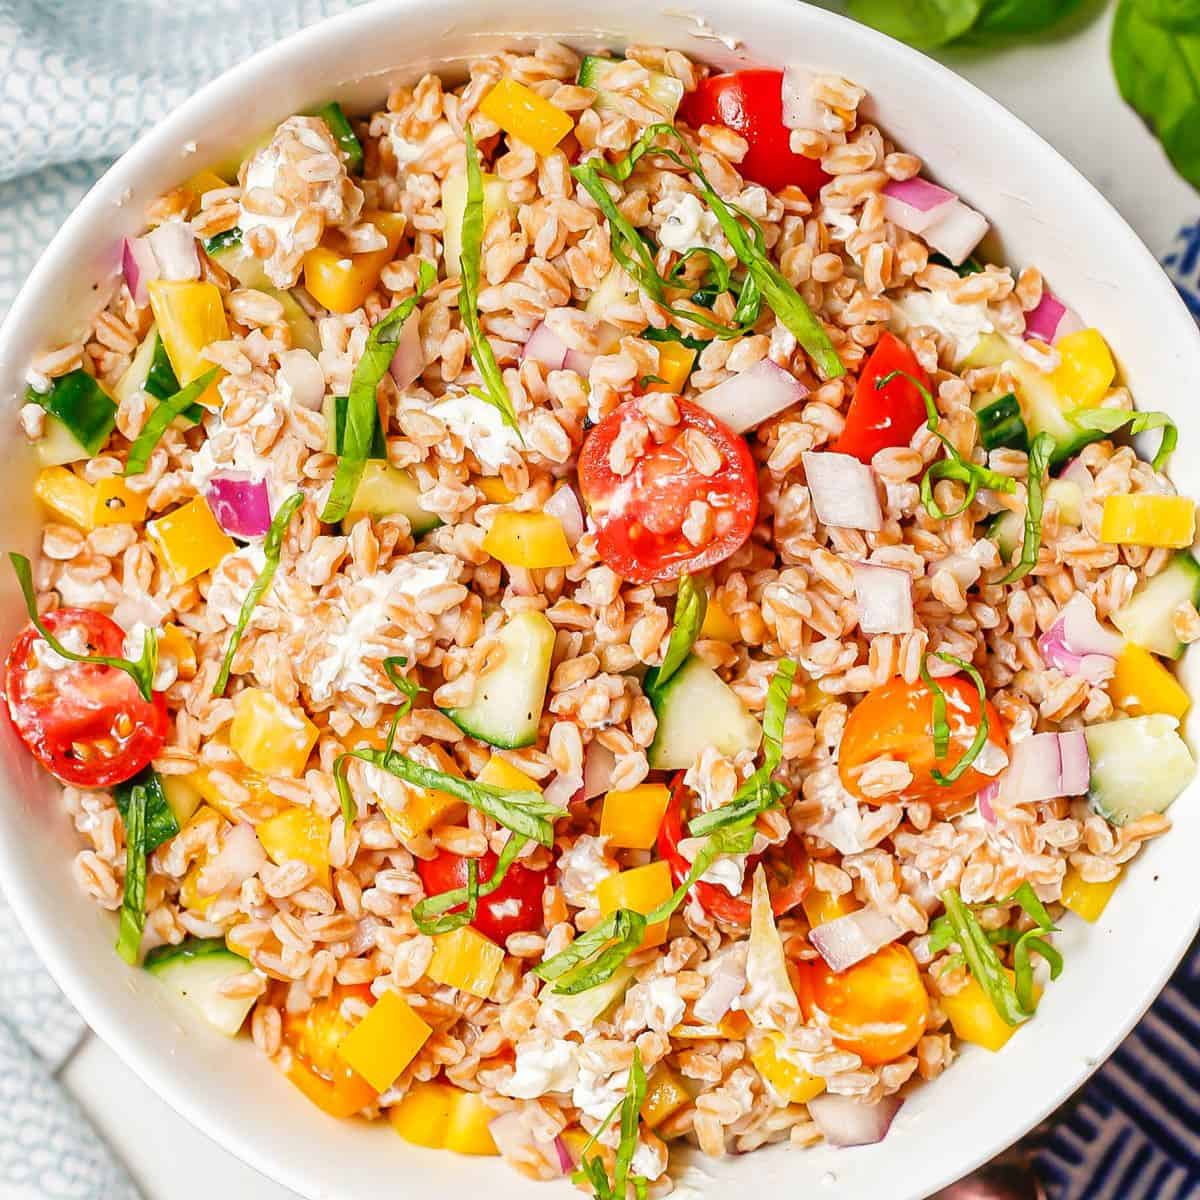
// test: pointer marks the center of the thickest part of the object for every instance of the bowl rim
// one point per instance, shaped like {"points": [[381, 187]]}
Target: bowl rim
{"points": [[161, 138]]}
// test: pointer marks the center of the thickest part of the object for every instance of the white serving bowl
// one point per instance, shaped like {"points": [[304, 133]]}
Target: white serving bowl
{"points": [[1045, 213]]}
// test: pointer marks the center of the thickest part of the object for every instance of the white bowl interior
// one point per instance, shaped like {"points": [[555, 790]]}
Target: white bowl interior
{"points": [[1046, 214]]}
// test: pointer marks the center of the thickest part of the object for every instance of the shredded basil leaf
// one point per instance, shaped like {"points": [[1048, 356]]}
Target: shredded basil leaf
{"points": [[1109, 420], [1040, 452], [409, 687], [133, 903], [160, 823], [164, 413], [671, 334], [362, 409], [691, 603], [494, 390], [141, 671], [427, 913], [591, 1170], [272, 548], [941, 726]]}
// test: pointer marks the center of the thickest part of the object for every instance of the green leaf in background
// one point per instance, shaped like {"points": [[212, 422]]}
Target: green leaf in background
{"points": [[921, 23], [1019, 18], [1182, 15]]}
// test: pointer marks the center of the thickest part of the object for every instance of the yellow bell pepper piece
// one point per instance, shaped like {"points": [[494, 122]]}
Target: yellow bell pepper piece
{"points": [[413, 811], [298, 834], [444, 1117], [974, 1017], [117, 503], [468, 1131], [495, 490], [342, 281], [499, 772], [641, 889], [718, 624], [385, 1041], [789, 1079], [202, 780], [665, 1096], [521, 112], [173, 642], [1086, 368], [1087, 900], [201, 182], [190, 316], [1148, 519], [188, 540], [68, 496], [1141, 685], [528, 539], [269, 736], [466, 960], [821, 907], [631, 818], [675, 362]]}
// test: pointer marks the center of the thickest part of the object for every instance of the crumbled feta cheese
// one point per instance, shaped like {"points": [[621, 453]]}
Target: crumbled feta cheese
{"points": [[991, 760], [39, 382], [649, 1161], [581, 867], [544, 1064], [263, 172], [962, 324], [664, 1006], [841, 225], [48, 660], [167, 670], [727, 871], [481, 428], [598, 1090], [686, 222]]}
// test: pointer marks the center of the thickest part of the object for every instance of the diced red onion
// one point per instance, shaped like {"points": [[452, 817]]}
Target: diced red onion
{"points": [[800, 108], [1044, 767], [599, 762], [843, 491], [847, 940], [560, 790], [884, 596], [546, 347], [725, 985], [409, 360], [1075, 472], [1076, 772], [564, 506], [304, 378], [1050, 320], [140, 267], [242, 506], [916, 204], [751, 397], [1077, 644], [986, 798], [957, 232], [580, 361], [174, 247], [514, 1139], [848, 1122], [566, 1163]]}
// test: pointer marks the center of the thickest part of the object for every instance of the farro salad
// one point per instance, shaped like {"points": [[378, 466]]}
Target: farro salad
{"points": [[583, 610]]}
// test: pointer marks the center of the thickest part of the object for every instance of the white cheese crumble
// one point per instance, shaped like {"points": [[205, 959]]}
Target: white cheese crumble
{"points": [[962, 324], [686, 222], [649, 1161], [581, 867], [597, 1092], [663, 1005], [263, 172], [544, 1064], [167, 670], [481, 428]]}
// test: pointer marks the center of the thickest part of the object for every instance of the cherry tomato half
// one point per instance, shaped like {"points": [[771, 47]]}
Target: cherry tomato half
{"points": [[86, 724], [316, 1067], [876, 1009], [886, 416], [514, 907], [751, 104], [788, 876], [896, 720], [640, 515]]}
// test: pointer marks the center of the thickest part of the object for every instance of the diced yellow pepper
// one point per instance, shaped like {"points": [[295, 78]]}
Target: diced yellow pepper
{"points": [[190, 895], [201, 182], [117, 503], [1142, 685], [174, 643], [499, 772], [413, 811], [641, 889], [1086, 368], [495, 490], [528, 539], [466, 960], [631, 818], [214, 795], [1148, 519], [718, 624], [298, 834], [190, 317], [341, 280], [789, 1079], [521, 112], [68, 496], [444, 1117], [675, 362], [188, 540], [974, 1017], [822, 907], [385, 1041], [468, 1132], [269, 736], [1087, 900], [665, 1096]]}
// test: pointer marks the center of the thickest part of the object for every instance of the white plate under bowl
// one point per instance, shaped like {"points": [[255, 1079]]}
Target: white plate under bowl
{"points": [[1046, 214]]}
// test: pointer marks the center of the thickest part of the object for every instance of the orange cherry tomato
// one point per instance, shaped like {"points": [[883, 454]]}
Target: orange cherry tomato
{"points": [[317, 1069], [896, 720], [876, 1009]]}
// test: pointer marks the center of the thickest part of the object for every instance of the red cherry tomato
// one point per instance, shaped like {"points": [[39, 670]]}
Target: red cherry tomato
{"points": [[640, 515], [86, 724], [751, 104], [788, 875], [886, 416], [514, 907]]}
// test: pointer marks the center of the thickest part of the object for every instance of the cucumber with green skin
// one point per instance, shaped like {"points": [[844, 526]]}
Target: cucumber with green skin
{"points": [[387, 491], [1139, 765], [1146, 619], [238, 259], [665, 91], [195, 970], [84, 409]]}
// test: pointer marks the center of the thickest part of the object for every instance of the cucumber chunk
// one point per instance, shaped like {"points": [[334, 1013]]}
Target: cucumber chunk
{"points": [[615, 288], [509, 697], [82, 405], [58, 445], [1001, 424], [582, 1010], [387, 491], [1146, 619], [1139, 766], [1007, 528], [454, 204], [662, 93], [696, 708], [239, 261], [151, 372], [195, 970]]}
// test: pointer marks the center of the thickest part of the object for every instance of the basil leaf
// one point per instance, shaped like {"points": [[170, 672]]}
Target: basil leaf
{"points": [[272, 548], [160, 821], [691, 603], [427, 913], [1040, 453], [671, 334], [82, 405], [941, 726], [595, 956], [141, 671], [592, 1170], [494, 391], [362, 408], [1180, 15], [921, 23], [1109, 420], [1002, 19], [982, 960], [133, 903], [410, 689], [165, 411]]}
